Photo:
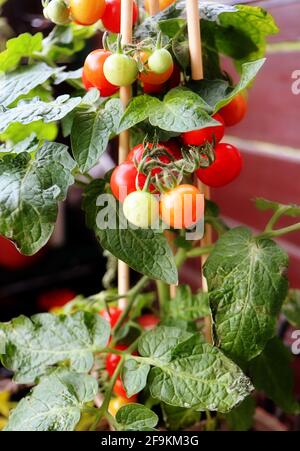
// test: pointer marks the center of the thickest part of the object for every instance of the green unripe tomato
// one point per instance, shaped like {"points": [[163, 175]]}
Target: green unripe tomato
{"points": [[141, 209], [58, 12], [120, 70], [160, 61]]}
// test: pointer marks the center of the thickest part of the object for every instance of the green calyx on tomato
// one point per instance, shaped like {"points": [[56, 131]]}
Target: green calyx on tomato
{"points": [[141, 209], [57, 11], [226, 167]]}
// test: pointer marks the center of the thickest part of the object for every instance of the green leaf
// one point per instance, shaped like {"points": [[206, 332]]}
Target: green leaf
{"points": [[134, 376], [22, 80], [55, 404], [29, 144], [17, 132], [160, 342], [91, 132], [247, 285], [192, 374], [25, 45], [63, 76], [188, 306], [291, 308], [33, 345], [152, 257], [181, 110], [136, 417], [271, 373], [218, 93], [30, 190], [28, 111], [177, 418], [241, 417], [287, 209], [180, 48]]}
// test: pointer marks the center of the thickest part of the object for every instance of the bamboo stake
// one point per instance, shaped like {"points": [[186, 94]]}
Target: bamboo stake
{"points": [[125, 95], [154, 9], [193, 22]]}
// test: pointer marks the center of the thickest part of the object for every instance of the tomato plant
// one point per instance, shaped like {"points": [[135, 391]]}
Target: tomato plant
{"points": [[156, 353]]}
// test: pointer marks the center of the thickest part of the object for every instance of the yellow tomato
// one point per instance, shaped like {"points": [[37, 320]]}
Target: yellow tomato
{"points": [[116, 403], [162, 4]]}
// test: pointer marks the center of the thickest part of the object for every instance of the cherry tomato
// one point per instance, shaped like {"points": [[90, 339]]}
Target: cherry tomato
{"points": [[113, 315], [235, 111], [150, 77], [182, 206], [141, 209], [203, 135], [93, 72], [116, 403], [58, 12], [86, 83], [175, 78], [111, 18], [55, 298], [11, 258], [120, 69], [153, 89], [119, 390], [162, 4], [226, 167], [123, 180], [148, 321], [136, 154], [87, 12], [160, 61], [112, 360]]}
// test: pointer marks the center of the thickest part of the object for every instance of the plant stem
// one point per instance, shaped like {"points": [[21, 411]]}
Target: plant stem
{"points": [[278, 213], [280, 232], [131, 295], [163, 291], [198, 251], [180, 257]]}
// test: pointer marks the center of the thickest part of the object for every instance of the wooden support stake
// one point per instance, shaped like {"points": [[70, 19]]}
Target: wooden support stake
{"points": [[153, 7], [193, 22], [125, 96]]}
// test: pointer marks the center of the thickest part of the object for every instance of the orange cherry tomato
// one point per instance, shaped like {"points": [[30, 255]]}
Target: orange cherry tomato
{"points": [[87, 12], [151, 78], [162, 4], [182, 206]]}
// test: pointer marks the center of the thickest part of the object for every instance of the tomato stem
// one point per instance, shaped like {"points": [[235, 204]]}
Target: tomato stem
{"points": [[276, 216], [280, 232]]}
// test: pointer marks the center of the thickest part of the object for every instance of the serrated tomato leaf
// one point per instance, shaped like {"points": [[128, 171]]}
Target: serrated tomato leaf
{"points": [[33, 345], [30, 189], [136, 417], [55, 404], [247, 285]]}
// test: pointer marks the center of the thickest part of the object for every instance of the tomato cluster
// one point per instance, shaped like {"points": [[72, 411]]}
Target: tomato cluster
{"points": [[180, 206]]}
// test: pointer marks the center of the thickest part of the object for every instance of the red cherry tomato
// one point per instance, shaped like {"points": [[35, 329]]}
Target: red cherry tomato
{"points": [[153, 89], [112, 360], [148, 321], [235, 111], [87, 12], [203, 135], [113, 315], [226, 167], [55, 298], [86, 83], [175, 78], [11, 258], [136, 154], [93, 72], [111, 18], [123, 180], [182, 206], [119, 390]]}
